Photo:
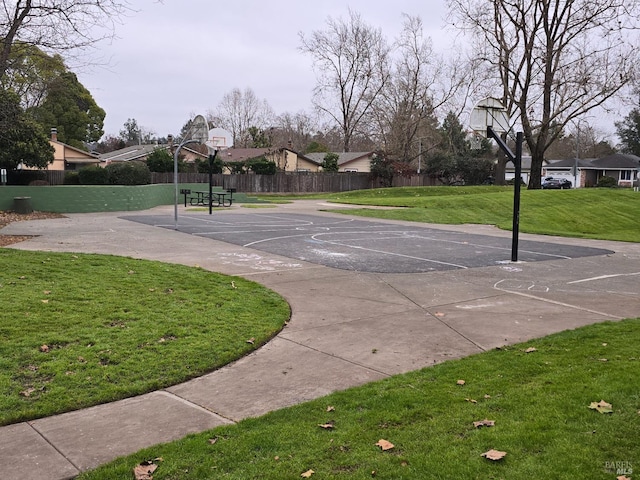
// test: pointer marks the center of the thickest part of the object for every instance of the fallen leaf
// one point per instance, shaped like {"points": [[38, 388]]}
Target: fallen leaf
{"points": [[44, 348], [131, 272], [494, 455], [331, 409], [144, 472], [47, 292], [251, 340], [307, 474], [484, 423], [326, 426], [213, 440], [605, 344], [471, 400], [603, 359], [233, 284], [487, 396], [276, 458], [27, 393], [44, 301], [531, 350], [623, 477], [601, 406], [385, 445], [461, 382]]}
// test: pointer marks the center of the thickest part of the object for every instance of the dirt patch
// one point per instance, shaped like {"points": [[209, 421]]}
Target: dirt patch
{"points": [[7, 217]]}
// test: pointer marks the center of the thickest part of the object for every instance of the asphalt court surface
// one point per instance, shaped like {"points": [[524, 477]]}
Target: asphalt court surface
{"points": [[361, 245]]}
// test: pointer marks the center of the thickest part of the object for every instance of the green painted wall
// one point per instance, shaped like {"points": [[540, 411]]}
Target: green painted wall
{"points": [[95, 198]]}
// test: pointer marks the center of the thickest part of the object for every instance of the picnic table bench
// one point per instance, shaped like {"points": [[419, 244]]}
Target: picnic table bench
{"points": [[201, 198]]}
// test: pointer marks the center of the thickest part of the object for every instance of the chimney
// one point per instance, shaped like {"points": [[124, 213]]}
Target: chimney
{"points": [[54, 134]]}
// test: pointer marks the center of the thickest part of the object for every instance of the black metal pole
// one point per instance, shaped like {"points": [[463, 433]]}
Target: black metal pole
{"points": [[516, 198], [212, 158], [517, 163]]}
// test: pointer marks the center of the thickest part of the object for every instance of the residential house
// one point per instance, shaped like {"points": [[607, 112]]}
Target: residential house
{"points": [[510, 169], [347, 161], [286, 159], [587, 172], [66, 157]]}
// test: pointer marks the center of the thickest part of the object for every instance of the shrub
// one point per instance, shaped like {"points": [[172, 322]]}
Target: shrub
{"points": [[607, 182], [93, 175], [262, 166], [71, 178], [160, 160], [128, 173]]}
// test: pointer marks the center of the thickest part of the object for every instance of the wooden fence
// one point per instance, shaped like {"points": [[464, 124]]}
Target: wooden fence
{"points": [[280, 182]]}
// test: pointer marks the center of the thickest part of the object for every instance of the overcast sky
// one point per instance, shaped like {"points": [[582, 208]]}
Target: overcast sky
{"points": [[178, 58]]}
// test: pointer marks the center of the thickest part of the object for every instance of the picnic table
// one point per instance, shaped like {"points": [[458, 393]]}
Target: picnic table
{"points": [[201, 198]]}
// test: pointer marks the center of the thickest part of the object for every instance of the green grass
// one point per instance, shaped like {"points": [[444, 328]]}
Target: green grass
{"points": [[539, 402], [597, 213], [116, 327]]}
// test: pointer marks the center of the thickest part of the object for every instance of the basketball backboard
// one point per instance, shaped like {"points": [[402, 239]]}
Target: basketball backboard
{"points": [[219, 139], [199, 129], [489, 112]]}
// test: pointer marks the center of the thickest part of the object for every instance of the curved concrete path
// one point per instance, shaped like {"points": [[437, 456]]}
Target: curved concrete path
{"points": [[347, 328]]}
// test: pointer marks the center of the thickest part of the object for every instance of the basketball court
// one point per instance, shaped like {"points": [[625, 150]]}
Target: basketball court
{"points": [[357, 244]]}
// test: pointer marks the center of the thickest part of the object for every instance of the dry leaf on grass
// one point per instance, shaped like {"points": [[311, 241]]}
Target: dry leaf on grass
{"points": [[331, 408], [251, 341], [531, 350], [460, 382], [326, 426], [307, 474], [494, 455], [144, 471], [601, 406], [471, 400], [44, 348], [385, 445], [484, 423]]}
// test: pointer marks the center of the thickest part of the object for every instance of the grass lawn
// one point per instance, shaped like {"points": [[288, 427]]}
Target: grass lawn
{"points": [[79, 330], [539, 402], [599, 213]]}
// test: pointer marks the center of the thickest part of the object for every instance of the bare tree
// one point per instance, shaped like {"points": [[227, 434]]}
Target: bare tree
{"points": [[421, 82], [555, 60], [352, 66], [56, 25], [294, 130], [238, 111]]}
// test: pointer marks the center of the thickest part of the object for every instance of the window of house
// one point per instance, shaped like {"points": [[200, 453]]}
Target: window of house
{"points": [[352, 170], [625, 175]]}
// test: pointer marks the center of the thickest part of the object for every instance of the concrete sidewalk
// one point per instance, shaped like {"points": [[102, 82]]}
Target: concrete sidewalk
{"points": [[347, 328]]}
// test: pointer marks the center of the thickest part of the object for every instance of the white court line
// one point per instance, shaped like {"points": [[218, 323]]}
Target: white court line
{"points": [[603, 277], [388, 253]]}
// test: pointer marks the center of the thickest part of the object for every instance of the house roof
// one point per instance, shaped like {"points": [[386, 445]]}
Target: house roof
{"points": [[242, 154], [76, 155], [343, 157], [128, 154], [616, 161]]}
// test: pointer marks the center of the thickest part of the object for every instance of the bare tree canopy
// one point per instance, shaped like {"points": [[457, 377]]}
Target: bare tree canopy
{"points": [[420, 83], [240, 111], [56, 26], [352, 67], [552, 60]]}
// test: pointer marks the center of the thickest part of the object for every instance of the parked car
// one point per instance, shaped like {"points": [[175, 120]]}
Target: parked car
{"points": [[556, 183]]}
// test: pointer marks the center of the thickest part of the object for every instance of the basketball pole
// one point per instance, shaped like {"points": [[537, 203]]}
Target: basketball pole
{"points": [[517, 162]]}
